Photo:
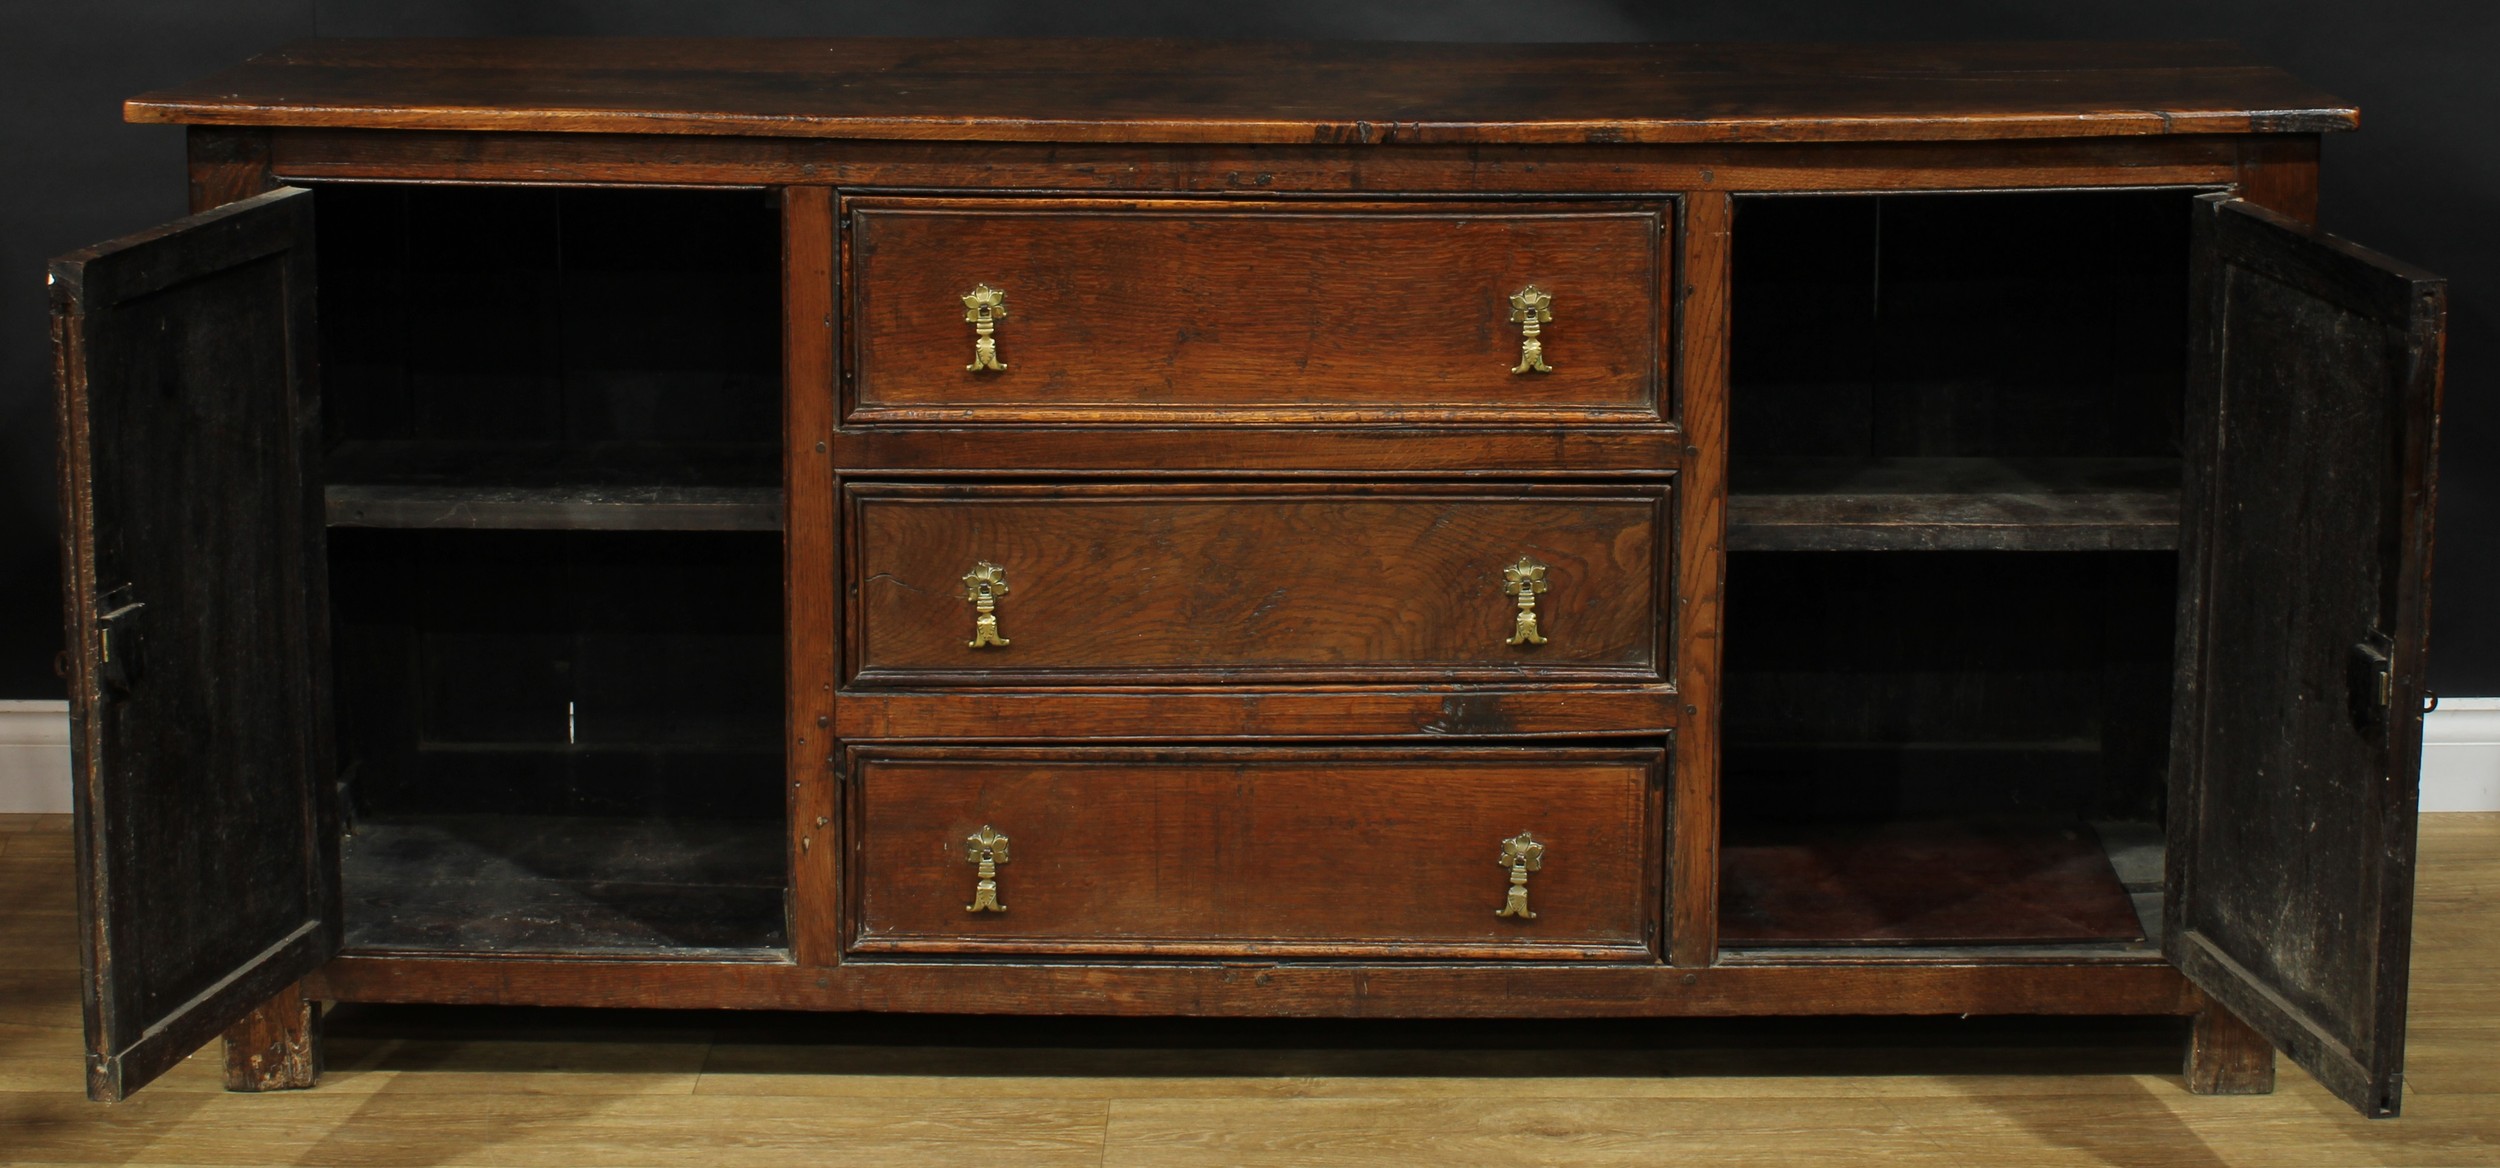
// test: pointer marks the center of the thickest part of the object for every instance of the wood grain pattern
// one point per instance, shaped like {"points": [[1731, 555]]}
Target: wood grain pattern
{"points": [[1381, 853], [1174, 183], [312, 154], [1954, 503], [2295, 767], [1241, 447], [276, 1047], [227, 165], [552, 486], [1934, 883], [201, 730], [811, 550], [2227, 1056], [1701, 389], [495, 1088], [1244, 583], [1274, 988], [1166, 310], [2281, 175], [1532, 709], [678, 886], [588, 508], [1351, 94]]}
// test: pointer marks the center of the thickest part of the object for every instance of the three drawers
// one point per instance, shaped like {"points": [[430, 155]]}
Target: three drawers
{"points": [[1028, 601], [1162, 311], [1212, 584], [1487, 853]]}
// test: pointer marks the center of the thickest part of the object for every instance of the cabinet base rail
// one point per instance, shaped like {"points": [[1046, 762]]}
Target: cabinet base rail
{"points": [[1287, 989]]}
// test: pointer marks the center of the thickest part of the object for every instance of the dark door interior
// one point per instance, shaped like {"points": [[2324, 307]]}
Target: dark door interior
{"points": [[2305, 545], [208, 876]]}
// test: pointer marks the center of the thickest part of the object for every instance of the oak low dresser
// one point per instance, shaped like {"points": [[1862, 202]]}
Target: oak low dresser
{"points": [[1166, 528]]}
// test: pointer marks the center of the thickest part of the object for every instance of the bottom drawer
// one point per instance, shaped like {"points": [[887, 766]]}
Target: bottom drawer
{"points": [[1486, 853]]}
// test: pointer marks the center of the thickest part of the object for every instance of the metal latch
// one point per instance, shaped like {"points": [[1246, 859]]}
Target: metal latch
{"points": [[119, 664], [2370, 681]]}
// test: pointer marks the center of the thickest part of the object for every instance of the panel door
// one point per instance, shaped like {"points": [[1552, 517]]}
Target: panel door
{"points": [[2305, 548], [199, 700]]}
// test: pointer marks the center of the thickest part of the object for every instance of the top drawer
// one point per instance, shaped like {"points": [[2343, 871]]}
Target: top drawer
{"points": [[1167, 311]]}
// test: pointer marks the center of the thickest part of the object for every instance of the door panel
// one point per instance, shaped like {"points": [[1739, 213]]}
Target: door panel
{"points": [[193, 572], [2305, 558]]}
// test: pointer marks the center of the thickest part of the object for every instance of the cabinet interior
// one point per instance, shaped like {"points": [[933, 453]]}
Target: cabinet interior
{"points": [[552, 482], [555, 567], [1955, 428], [536, 356]]}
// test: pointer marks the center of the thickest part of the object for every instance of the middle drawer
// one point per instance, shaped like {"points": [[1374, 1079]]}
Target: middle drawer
{"points": [[1002, 585]]}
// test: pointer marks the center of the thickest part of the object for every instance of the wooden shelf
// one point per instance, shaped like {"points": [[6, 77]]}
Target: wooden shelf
{"points": [[565, 884], [559, 487], [1953, 504], [576, 508], [1937, 882]]}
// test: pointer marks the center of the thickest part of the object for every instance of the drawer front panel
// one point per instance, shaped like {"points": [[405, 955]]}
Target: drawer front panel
{"points": [[1163, 311], [1236, 852], [1244, 584]]}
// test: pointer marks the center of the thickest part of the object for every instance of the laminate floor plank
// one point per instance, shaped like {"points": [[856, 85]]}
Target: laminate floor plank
{"points": [[1422, 1087], [37, 999], [36, 843], [39, 1058], [2453, 1058], [517, 1131], [2300, 1126], [1357, 1133], [39, 943], [458, 1088], [578, 1067], [34, 885], [1641, 1059]]}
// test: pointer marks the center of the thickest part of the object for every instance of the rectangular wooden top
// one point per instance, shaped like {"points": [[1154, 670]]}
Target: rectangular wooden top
{"points": [[1356, 93]]}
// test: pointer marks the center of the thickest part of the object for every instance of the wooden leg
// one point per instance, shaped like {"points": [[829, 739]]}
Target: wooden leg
{"points": [[276, 1047], [2226, 1057]]}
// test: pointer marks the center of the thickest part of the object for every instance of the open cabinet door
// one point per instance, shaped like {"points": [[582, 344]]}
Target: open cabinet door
{"points": [[2305, 560], [199, 699]]}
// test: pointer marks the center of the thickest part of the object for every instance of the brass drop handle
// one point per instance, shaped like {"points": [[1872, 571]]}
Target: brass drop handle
{"points": [[1522, 855], [1524, 580], [987, 849], [1531, 308], [984, 307], [983, 585]]}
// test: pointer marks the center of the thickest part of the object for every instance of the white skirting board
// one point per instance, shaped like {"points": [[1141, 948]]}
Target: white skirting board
{"points": [[34, 757], [2460, 756]]}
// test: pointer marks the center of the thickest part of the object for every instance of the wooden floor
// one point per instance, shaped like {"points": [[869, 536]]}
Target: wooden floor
{"points": [[411, 1086]]}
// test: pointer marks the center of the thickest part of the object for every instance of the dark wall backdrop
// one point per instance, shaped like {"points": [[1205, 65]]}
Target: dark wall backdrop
{"points": [[2421, 180]]}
